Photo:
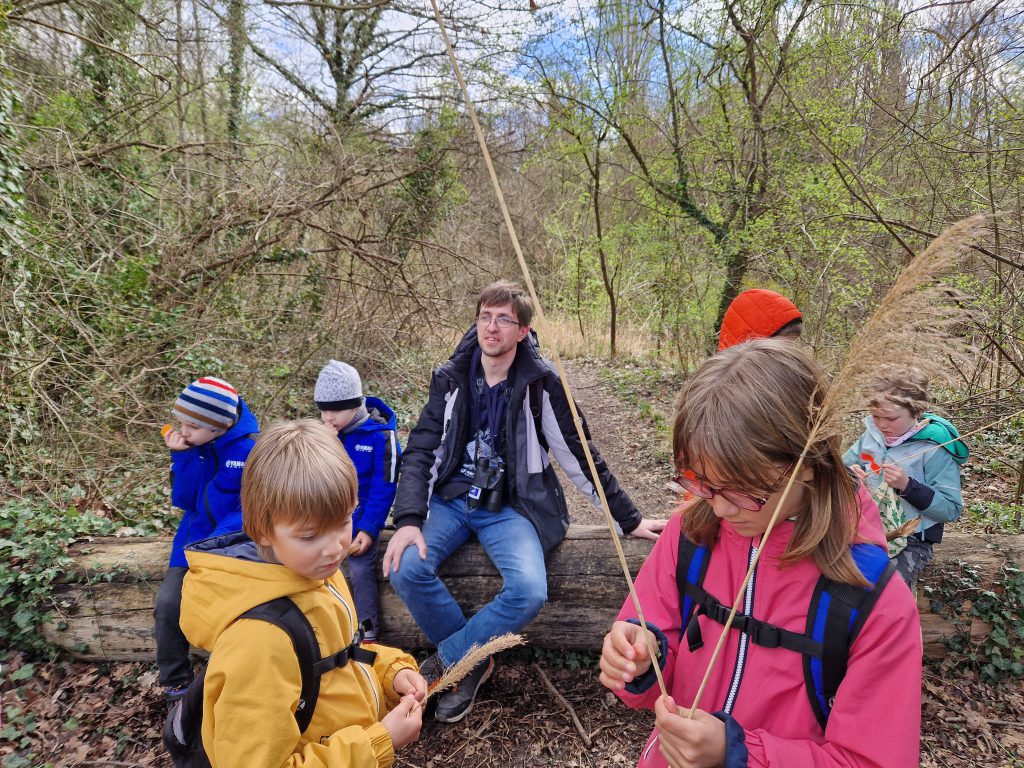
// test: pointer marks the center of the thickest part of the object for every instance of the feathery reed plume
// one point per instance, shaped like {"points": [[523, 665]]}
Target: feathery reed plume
{"points": [[914, 321], [904, 530], [910, 324], [474, 656]]}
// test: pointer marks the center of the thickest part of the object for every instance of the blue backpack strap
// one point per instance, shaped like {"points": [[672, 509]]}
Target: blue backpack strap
{"points": [[835, 617], [691, 567]]}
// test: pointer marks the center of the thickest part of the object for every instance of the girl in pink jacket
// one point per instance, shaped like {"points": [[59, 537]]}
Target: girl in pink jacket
{"points": [[742, 423]]}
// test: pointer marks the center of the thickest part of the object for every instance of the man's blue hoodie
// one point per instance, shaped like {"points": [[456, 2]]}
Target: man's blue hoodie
{"points": [[206, 482], [374, 449]]}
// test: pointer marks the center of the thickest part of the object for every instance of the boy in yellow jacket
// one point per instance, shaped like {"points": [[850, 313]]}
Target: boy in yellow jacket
{"points": [[298, 493]]}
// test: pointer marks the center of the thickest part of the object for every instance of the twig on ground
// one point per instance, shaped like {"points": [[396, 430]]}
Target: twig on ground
{"points": [[1007, 723], [565, 703]]}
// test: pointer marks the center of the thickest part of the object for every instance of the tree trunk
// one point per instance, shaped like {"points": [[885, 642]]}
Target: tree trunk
{"points": [[735, 271], [607, 280], [236, 56], [112, 617]]}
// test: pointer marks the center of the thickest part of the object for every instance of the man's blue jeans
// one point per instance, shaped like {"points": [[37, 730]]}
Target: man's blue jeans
{"points": [[509, 540]]}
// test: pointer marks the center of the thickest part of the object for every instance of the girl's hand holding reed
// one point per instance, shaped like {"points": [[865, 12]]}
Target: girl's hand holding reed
{"points": [[625, 655], [686, 743]]}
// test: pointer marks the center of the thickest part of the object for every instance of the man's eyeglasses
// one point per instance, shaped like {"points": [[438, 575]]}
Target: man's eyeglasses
{"points": [[698, 486], [504, 321]]}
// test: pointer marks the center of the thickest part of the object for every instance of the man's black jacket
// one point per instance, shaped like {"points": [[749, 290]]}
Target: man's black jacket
{"points": [[436, 446]]}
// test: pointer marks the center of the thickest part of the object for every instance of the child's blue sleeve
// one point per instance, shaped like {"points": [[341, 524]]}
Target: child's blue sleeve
{"points": [[186, 478], [224, 494], [852, 456], [942, 475], [383, 483]]}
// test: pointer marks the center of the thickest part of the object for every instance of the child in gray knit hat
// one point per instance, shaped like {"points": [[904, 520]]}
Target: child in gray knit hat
{"points": [[366, 427]]}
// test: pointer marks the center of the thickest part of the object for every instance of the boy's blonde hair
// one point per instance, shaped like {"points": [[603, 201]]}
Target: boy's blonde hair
{"points": [[297, 473], [907, 387], [751, 408]]}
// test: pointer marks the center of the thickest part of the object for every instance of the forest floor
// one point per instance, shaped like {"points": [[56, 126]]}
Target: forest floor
{"points": [[69, 713]]}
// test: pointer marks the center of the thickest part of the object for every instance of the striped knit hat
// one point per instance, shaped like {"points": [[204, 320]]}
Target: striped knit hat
{"points": [[208, 402]]}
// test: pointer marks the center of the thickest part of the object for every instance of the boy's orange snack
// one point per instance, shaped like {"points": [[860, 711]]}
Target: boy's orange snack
{"points": [[165, 429]]}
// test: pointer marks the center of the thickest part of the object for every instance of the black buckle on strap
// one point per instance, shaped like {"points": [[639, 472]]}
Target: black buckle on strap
{"points": [[765, 635], [353, 652], [760, 633], [717, 612]]}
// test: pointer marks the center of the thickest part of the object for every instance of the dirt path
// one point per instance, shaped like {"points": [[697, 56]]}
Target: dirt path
{"points": [[627, 442]]}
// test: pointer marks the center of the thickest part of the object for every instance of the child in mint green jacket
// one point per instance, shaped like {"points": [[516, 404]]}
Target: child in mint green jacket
{"points": [[918, 456]]}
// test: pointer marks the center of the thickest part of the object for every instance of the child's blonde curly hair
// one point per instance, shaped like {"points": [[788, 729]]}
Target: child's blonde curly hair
{"points": [[906, 387]]}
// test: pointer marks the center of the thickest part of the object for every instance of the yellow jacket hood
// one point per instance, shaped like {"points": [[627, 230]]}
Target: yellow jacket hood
{"points": [[226, 578]]}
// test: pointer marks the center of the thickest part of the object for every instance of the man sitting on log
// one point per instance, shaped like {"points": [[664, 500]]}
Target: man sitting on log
{"points": [[477, 461]]}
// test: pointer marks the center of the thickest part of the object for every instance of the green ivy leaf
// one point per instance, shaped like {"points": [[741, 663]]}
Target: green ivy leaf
{"points": [[23, 672]]}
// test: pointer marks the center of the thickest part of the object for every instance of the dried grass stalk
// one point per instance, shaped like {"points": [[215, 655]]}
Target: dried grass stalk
{"points": [[904, 530], [477, 653], [916, 322]]}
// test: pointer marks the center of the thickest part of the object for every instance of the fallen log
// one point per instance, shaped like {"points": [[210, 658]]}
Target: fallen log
{"points": [[109, 616]]}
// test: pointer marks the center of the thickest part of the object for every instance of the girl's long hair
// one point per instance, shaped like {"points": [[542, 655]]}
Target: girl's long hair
{"points": [[751, 408]]}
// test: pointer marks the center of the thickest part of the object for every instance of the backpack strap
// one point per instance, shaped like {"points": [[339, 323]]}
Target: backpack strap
{"points": [[283, 613], [836, 614], [691, 567], [760, 632], [351, 652], [835, 617]]}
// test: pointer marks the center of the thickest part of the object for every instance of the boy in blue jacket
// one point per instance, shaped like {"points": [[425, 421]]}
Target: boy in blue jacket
{"points": [[209, 447], [366, 427]]}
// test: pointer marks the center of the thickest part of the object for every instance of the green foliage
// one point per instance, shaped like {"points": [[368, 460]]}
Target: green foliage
{"points": [[549, 657], [19, 724], [112, 76], [63, 310], [33, 555], [999, 651], [431, 189], [996, 516]]}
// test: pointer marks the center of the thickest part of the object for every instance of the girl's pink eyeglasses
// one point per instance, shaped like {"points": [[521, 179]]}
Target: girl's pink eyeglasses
{"points": [[696, 485]]}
